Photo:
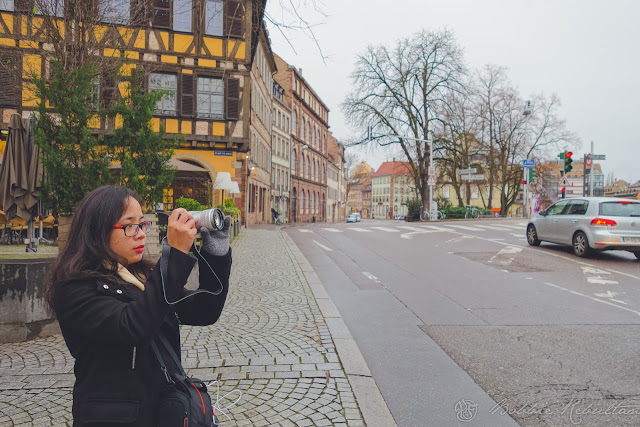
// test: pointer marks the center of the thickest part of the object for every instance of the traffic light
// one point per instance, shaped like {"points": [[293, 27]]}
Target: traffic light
{"points": [[562, 155], [568, 161], [532, 175], [563, 192]]}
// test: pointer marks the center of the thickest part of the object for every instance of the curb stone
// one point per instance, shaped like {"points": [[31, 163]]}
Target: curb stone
{"points": [[372, 405]]}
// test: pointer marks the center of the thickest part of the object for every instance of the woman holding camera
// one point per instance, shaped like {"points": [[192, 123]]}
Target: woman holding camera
{"points": [[111, 304]]}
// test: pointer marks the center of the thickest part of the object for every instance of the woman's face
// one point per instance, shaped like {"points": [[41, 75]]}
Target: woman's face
{"points": [[129, 248]]}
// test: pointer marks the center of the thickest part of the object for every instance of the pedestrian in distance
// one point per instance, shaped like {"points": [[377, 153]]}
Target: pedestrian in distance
{"points": [[111, 304]]}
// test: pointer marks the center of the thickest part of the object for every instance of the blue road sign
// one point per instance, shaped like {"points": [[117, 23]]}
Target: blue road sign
{"points": [[529, 163]]}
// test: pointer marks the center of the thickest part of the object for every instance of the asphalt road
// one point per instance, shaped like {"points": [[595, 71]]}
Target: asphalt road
{"points": [[462, 323]]}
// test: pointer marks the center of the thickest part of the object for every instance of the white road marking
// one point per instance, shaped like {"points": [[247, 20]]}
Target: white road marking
{"points": [[388, 230], [436, 228], [362, 230], [552, 254], [592, 270], [410, 228], [517, 235], [457, 239], [601, 281], [371, 276], [304, 230], [322, 246], [465, 227], [592, 298], [609, 294], [333, 230], [493, 227], [517, 227], [617, 300], [500, 258]]}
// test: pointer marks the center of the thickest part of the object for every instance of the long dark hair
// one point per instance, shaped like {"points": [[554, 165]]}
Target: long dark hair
{"points": [[88, 252]]}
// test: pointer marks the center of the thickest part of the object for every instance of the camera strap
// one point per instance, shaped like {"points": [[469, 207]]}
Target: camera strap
{"points": [[164, 267]]}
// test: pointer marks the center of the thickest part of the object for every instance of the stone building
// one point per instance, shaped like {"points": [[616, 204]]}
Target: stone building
{"points": [[392, 186], [261, 124], [336, 200], [281, 154], [309, 148]]}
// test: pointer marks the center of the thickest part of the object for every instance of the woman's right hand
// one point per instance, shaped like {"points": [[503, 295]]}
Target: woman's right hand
{"points": [[181, 230]]}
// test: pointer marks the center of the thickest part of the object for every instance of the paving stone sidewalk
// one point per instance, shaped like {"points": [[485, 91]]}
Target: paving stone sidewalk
{"points": [[271, 344]]}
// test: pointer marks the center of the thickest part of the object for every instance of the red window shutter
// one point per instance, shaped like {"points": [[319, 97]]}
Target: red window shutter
{"points": [[233, 17], [10, 79], [233, 99], [162, 13], [187, 95]]}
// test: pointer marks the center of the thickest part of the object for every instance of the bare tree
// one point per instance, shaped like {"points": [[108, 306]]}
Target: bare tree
{"points": [[401, 90]]}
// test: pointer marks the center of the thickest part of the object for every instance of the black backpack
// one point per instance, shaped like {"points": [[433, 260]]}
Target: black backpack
{"points": [[184, 400]]}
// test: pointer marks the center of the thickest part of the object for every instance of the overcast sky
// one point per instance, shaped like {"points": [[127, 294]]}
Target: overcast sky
{"points": [[586, 51]]}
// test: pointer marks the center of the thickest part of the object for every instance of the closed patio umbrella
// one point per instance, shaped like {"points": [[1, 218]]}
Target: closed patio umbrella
{"points": [[19, 172]]}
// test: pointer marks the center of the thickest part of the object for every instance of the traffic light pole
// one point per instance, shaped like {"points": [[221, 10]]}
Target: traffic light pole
{"points": [[591, 174]]}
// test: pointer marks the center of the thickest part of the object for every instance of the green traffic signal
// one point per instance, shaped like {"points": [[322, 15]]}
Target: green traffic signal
{"points": [[562, 155], [568, 161], [532, 175]]}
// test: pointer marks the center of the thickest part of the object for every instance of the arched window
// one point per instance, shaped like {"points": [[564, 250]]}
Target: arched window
{"points": [[324, 143], [313, 202], [308, 209], [294, 121], [302, 201], [303, 166], [303, 130], [307, 172], [293, 162], [313, 169]]}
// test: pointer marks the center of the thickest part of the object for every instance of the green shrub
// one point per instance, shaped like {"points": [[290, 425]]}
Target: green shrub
{"points": [[456, 212], [443, 203], [230, 208], [189, 204]]}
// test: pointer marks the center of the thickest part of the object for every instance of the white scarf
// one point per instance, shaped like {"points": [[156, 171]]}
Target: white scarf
{"points": [[128, 277]]}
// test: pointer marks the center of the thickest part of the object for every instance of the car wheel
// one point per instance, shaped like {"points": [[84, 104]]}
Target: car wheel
{"points": [[532, 236], [581, 245]]}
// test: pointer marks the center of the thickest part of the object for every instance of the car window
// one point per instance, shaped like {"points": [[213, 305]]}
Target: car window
{"points": [[629, 209], [557, 208], [577, 207]]}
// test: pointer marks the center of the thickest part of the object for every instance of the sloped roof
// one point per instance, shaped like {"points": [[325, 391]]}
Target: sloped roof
{"points": [[394, 168]]}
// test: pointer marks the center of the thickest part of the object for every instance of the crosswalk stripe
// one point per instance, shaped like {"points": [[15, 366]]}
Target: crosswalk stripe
{"points": [[493, 227], [410, 228], [436, 228], [333, 230], [362, 230], [517, 227], [465, 227], [388, 230], [304, 230]]}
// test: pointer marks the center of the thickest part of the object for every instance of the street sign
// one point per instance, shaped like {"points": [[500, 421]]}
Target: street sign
{"points": [[431, 181], [599, 157], [563, 182], [529, 163], [467, 171], [432, 171], [472, 177], [589, 160]]}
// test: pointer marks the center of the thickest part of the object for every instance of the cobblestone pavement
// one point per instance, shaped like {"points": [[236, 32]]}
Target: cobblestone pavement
{"points": [[271, 344]]}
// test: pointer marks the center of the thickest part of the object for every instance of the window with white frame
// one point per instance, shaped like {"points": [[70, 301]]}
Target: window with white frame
{"points": [[446, 191], [182, 15], [168, 83], [213, 17], [210, 98], [474, 192]]}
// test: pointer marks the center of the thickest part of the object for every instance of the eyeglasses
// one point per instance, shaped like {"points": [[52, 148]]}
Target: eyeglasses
{"points": [[131, 230]]}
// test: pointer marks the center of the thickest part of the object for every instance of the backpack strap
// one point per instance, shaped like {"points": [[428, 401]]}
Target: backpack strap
{"points": [[156, 352], [171, 352]]}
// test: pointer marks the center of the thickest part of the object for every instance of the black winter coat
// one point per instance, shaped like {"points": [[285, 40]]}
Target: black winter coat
{"points": [[108, 328]]}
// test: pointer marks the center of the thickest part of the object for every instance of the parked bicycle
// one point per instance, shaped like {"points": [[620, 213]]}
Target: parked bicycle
{"points": [[472, 212], [426, 215]]}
